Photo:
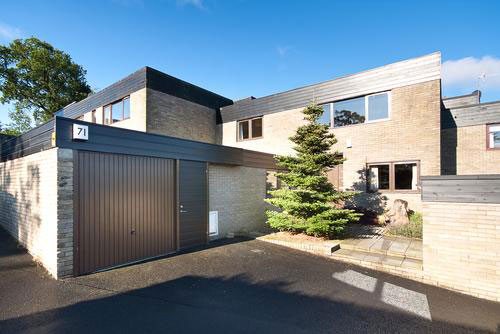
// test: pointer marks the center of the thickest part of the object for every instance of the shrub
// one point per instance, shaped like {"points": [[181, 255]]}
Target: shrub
{"points": [[411, 230]]}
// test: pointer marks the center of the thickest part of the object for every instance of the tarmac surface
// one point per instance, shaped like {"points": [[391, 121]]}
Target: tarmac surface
{"points": [[231, 286]]}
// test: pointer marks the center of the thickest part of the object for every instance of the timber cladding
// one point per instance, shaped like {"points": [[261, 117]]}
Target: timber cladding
{"points": [[124, 209], [400, 74], [461, 188]]}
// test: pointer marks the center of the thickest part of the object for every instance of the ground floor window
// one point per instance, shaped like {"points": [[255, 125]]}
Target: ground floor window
{"points": [[393, 176]]}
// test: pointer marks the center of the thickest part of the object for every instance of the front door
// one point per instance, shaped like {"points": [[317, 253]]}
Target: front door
{"points": [[193, 203]]}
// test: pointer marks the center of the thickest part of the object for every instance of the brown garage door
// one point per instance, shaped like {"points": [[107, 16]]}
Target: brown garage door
{"points": [[193, 211], [124, 209]]}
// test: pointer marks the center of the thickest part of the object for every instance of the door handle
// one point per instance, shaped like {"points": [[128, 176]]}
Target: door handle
{"points": [[183, 211]]}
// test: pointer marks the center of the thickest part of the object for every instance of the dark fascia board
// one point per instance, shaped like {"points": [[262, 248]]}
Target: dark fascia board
{"points": [[150, 78], [111, 139], [168, 84], [116, 91], [33, 141]]}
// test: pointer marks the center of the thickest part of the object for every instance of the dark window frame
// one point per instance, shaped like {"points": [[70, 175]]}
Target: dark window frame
{"points": [[488, 148], [110, 105], [250, 121], [392, 177]]}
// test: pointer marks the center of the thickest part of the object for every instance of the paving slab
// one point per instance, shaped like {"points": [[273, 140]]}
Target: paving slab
{"points": [[399, 247], [381, 246], [414, 251], [364, 244], [348, 253], [395, 261], [412, 264], [374, 258]]}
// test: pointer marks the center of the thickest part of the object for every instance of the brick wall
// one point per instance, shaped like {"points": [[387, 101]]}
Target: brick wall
{"points": [[412, 133], [464, 150], [171, 116], [36, 206], [461, 247], [237, 193]]}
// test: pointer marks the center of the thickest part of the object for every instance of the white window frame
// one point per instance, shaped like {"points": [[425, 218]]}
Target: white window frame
{"points": [[388, 107], [492, 128], [367, 114]]}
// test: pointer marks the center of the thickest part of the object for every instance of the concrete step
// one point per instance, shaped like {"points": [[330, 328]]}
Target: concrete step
{"points": [[392, 246], [377, 259]]}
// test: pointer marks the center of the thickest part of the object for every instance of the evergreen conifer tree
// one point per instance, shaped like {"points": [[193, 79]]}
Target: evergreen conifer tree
{"points": [[309, 203]]}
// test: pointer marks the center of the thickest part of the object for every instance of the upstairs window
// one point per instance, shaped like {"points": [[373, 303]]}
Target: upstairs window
{"points": [[494, 136], [250, 129], [117, 111], [365, 109]]}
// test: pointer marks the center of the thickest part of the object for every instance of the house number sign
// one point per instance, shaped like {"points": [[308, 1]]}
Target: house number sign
{"points": [[80, 132]]}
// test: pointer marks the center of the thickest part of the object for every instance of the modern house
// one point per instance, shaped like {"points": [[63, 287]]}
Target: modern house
{"points": [[153, 164]]}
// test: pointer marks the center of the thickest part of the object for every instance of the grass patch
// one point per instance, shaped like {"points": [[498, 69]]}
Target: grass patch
{"points": [[410, 230]]}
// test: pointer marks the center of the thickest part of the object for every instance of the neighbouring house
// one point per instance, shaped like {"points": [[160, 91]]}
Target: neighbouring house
{"points": [[153, 164]]}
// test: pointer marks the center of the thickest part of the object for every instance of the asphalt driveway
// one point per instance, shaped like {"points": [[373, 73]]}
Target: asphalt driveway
{"points": [[234, 286]]}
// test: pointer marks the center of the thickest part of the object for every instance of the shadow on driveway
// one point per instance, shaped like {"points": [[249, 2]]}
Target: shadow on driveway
{"points": [[246, 287]]}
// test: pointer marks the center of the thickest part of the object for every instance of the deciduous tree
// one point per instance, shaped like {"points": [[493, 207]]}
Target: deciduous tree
{"points": [[39, 79]]}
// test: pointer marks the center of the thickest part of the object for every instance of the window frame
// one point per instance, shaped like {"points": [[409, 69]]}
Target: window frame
{"points": [[110, 105], [249, 120], [488, 143], [392, 177], [367, 114]]}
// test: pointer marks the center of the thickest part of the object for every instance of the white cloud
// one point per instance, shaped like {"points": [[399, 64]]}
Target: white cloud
{"points": [[195, 3], [8, 32], [468, 72]]}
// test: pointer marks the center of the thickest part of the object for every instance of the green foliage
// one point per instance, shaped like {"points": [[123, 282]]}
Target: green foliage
{"points": [[309, 203], [411, 230], [39, 79], [21, 122]]}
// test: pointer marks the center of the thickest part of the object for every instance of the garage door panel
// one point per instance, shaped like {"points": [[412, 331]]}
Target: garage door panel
{"points": [[126, 209]]}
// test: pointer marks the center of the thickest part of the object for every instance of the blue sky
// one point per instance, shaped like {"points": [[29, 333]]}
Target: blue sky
{"points": [[239, 48]]}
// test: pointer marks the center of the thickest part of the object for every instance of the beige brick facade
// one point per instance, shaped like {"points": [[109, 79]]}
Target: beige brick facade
{"points": [[412, 133], [36, 206], [461, 247], [237, 193], [466, 149]]}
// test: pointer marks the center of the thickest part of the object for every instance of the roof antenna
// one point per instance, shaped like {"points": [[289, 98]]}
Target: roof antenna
{"points": [[482, 78]]}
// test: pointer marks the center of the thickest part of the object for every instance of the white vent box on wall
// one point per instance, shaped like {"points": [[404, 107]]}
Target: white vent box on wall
{"points": [[213, 223]]}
